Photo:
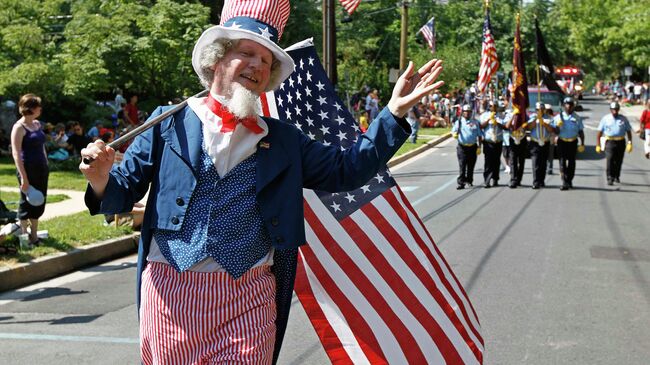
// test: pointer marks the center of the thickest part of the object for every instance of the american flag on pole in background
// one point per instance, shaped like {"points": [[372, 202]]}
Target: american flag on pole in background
{"points": [[350, 5], [429, 33], [372, 281], [489, 58]]}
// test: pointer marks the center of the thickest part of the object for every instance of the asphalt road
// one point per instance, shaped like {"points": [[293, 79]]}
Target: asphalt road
{"points": [[555, 277]]}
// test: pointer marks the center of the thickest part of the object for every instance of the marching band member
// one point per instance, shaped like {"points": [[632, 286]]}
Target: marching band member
{"points": [[467, 131], [614, 127], [569, 128], [540, 138], [492, 126], [518, 149]]}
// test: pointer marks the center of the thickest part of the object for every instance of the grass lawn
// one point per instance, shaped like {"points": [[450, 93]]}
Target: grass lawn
{"points": [[11, 199], [64, 235], [424, 135], [62, 175]]}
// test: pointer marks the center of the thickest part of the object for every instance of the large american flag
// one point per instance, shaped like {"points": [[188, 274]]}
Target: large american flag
{"points": [[429, 33], [489, 58], [350, 5], [373, 283]]}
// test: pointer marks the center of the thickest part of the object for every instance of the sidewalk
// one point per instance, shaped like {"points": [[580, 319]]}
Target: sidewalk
{"points": [[633, 113], [52, 210], [64, 262]]}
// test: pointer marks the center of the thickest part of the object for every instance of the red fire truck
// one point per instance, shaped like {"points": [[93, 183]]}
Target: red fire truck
{"points": [[570, 80]]}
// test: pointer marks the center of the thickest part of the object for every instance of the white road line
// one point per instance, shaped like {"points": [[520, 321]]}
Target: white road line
{"points": [[439, 189], [409, 188], [39, 337]]}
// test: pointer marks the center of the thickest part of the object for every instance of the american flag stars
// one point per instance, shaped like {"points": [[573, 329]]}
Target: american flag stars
{"points": [[307, 100]]}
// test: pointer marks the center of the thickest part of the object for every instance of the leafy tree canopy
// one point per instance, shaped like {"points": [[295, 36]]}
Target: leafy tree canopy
{"points": [[73, 52]]}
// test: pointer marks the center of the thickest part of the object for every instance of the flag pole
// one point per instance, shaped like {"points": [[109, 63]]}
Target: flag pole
{"points": [[146, 125]]}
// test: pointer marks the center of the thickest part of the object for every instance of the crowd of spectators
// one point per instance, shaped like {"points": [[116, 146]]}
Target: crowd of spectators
{"points": [[65, 140], [628, 92], [436, 110]]}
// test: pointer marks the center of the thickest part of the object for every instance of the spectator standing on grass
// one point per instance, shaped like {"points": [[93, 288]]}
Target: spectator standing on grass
{"points": [[638, 89], [28, 150], [119, 100], [412, 119], [132, 110], [372, 104]]}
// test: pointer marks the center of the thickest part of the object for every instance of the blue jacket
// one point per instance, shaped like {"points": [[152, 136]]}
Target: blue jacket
{"points": [[167, 156]]}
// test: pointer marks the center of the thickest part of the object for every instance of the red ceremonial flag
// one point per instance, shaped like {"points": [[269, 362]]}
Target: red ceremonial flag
{"points": [[520, 83], [350, 5], [489, 58], [372, 281]]}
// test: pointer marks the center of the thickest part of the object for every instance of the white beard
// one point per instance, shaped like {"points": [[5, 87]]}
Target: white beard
{"points": [[243, 103]]}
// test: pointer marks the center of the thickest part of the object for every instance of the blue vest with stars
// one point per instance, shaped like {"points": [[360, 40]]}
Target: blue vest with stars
{"points": [[222, 221]]}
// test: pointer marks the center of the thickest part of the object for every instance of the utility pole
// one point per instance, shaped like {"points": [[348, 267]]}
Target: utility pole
{"points": [[329, 40], [404, 36]]}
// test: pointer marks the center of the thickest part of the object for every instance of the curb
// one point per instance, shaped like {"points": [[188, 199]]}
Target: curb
{"points": [[62, 263], [410, 154]]}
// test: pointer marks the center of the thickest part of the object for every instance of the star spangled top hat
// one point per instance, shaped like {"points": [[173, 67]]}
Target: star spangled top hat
{"points": [[261, 21]]}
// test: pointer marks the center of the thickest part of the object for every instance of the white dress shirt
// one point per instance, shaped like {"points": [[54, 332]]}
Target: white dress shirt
{"points": [[226, 150]]}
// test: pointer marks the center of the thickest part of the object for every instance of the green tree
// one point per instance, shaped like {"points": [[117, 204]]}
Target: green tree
{"points": [[28, 51]]}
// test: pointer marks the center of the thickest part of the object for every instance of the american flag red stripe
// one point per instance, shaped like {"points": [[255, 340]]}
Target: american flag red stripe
{"points": [[350, 5], [373, 283], [362, 283], [396, 279], [352, 246], [489, 58], [392, 237], [446, 277], [310, 295], [353, 327], [442, 269]]}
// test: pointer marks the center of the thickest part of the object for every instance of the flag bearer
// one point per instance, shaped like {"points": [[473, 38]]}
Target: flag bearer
{"points": [[553, 140], [540, 138], [569, 128], [614, 127], [518, 149], [468, 132]]}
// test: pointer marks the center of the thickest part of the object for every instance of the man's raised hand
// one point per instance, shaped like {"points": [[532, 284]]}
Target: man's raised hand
{"points": [[412, 86]]}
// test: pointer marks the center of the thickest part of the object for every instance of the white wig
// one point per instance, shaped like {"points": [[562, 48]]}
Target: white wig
{"points": [[214, 52]]}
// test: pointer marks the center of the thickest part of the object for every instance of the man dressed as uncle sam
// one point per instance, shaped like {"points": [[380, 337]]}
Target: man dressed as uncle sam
{"points": [[224, 215]]}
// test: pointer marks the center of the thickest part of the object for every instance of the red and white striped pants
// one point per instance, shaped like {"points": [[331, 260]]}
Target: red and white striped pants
{"points": [[206, 318]]}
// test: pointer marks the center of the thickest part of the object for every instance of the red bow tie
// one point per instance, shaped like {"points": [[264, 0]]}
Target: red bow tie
{"points": [[230, 121]]}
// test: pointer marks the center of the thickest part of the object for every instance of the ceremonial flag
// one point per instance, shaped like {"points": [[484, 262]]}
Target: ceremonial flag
{"points": [[544, 61], [489, 58], [429, 33], [520, 84], [350, 5], [372, 281]]}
